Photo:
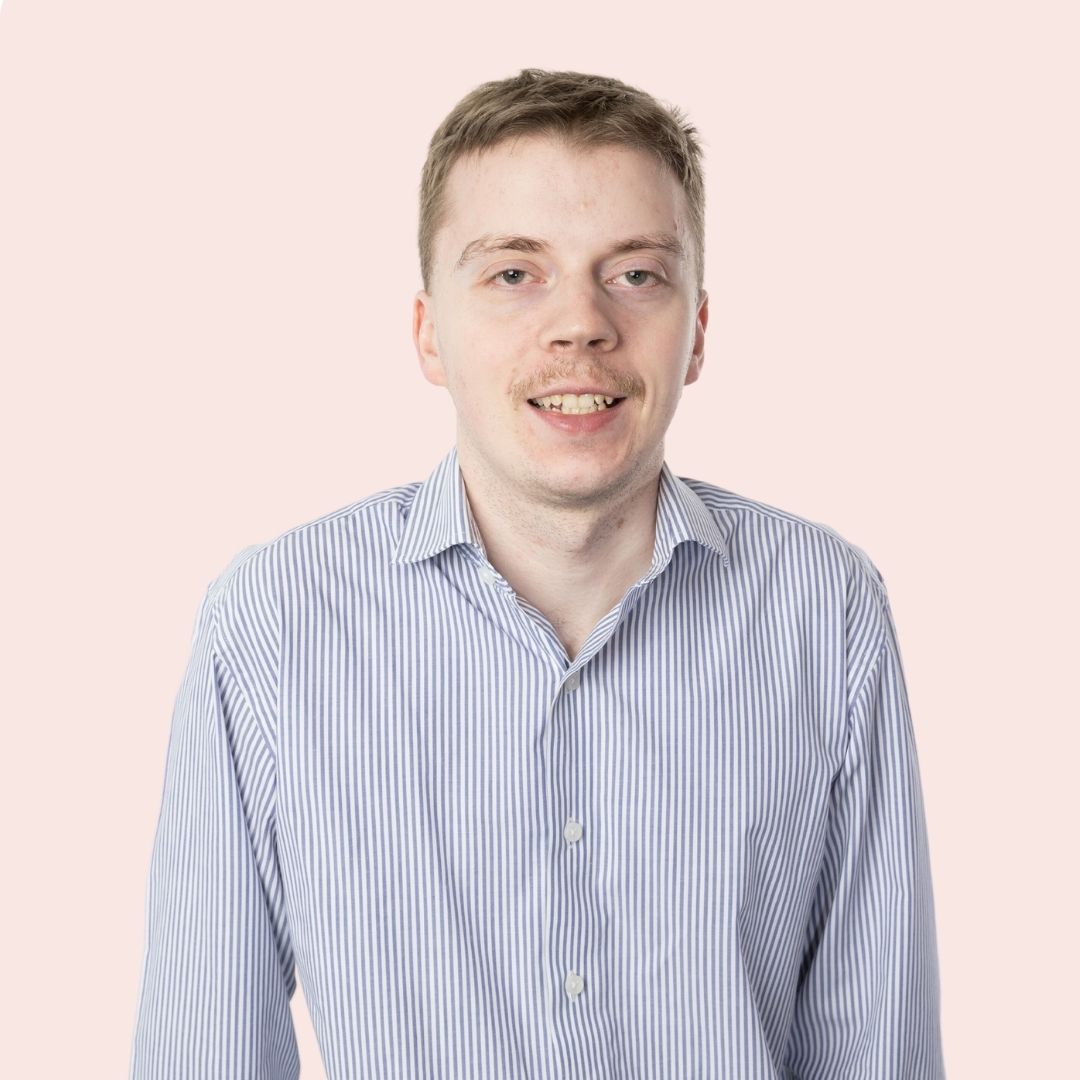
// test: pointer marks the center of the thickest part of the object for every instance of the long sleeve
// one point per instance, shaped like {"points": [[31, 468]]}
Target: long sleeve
{"points": [[217, 971], [868, 999]]}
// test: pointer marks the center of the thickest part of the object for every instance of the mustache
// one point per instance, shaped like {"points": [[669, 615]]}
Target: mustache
{"points": [[623, 383]]}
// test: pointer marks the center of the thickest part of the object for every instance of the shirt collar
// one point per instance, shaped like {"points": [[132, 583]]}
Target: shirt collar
{"points": [[440, 517]]}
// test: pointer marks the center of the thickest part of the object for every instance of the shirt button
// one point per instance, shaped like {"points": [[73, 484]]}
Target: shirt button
{"points": [[573, 681], [572, 831], [574, 984], [487, 574]]}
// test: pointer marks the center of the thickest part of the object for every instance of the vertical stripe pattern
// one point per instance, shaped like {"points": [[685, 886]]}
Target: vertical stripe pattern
{"points": [[697, 850]]}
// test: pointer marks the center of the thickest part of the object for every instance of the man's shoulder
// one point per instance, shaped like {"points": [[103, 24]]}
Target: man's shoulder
{"points": [[372, 522], [753, 525], [370, 514]]}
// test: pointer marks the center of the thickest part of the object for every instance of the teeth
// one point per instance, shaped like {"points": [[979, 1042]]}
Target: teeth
{"points": [[575, 403]]}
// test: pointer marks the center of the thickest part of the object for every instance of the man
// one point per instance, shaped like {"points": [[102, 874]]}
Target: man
{"points": [[555, 764]]}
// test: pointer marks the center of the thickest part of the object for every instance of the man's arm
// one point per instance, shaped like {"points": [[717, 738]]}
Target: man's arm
{"points": [[868, 998], [217, 971]]}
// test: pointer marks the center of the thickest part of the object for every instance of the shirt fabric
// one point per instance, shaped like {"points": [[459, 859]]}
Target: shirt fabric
{"points": [[698, 850]]}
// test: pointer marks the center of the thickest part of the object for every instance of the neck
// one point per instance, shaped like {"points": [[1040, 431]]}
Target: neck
{"points": [[573, 562]]}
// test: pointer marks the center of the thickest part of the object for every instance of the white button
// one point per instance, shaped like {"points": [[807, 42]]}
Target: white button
{"points": [[488, 575], [572, 831], [574, 984], [573, 681]]}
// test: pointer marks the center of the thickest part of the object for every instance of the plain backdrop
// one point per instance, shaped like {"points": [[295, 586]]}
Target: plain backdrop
{"points": [[207, 263]]}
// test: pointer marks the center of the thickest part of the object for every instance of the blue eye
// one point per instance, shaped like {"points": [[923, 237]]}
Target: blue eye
{"points": [[502, 274], [645, 273]]}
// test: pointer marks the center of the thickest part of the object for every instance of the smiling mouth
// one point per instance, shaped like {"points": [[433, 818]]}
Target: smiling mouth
{"points": [[581, 405]]}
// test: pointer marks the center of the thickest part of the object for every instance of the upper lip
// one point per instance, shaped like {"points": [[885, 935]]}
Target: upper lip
{"points": [[575, 390]]}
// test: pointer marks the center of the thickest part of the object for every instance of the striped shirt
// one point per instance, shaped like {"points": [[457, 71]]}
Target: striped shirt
{"points": [[697, 850]]}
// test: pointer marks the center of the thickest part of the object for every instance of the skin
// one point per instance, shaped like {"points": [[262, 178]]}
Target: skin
{"points": [[567, 518]]}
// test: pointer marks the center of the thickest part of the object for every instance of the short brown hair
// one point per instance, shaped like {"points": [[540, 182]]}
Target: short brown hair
{"points": [[586, 110]]}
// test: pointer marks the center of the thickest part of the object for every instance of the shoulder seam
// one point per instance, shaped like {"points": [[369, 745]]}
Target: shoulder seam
{"points": [[217, 651], [879, 647]]}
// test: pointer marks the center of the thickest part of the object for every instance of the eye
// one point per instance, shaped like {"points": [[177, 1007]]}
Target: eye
{"points": [[638, 277], [510, 276]]}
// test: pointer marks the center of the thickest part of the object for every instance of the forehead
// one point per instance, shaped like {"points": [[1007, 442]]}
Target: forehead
{"points": [[571, 196]]}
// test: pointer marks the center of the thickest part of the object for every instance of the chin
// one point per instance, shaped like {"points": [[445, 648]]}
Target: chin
{"points": [[589, 483]]}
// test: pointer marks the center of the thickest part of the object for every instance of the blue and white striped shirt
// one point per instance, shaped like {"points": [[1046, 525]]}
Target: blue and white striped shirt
{"points": [[696, 850]]}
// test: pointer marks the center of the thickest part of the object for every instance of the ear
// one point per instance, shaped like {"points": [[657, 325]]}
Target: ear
{"points": [[426, 340], [697, 357]]}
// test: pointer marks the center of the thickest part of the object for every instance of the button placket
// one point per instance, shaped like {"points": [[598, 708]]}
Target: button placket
{"points": [[573, 982]]}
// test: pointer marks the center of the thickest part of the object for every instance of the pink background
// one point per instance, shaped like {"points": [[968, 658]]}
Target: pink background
{"points": [[207, 261]]}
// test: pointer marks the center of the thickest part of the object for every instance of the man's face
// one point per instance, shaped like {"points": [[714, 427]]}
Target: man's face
{"points": [[567, 283]]}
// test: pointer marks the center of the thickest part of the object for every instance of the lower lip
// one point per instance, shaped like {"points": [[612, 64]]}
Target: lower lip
{"points": [[578, 423]]}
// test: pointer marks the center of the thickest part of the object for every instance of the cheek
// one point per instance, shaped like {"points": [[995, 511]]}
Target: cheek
{"points": [[655, 320], [507, 322], [473, 376], [679, 344]]}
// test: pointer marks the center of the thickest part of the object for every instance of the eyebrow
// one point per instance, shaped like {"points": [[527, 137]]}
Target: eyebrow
{"points": [[487, 245]]}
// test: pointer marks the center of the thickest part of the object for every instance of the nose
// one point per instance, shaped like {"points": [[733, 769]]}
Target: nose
{"points": [[578, 319]]}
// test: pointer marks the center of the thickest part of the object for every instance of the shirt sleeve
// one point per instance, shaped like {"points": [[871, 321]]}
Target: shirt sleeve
{"points": [[217, 971], [867, 1003]]}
